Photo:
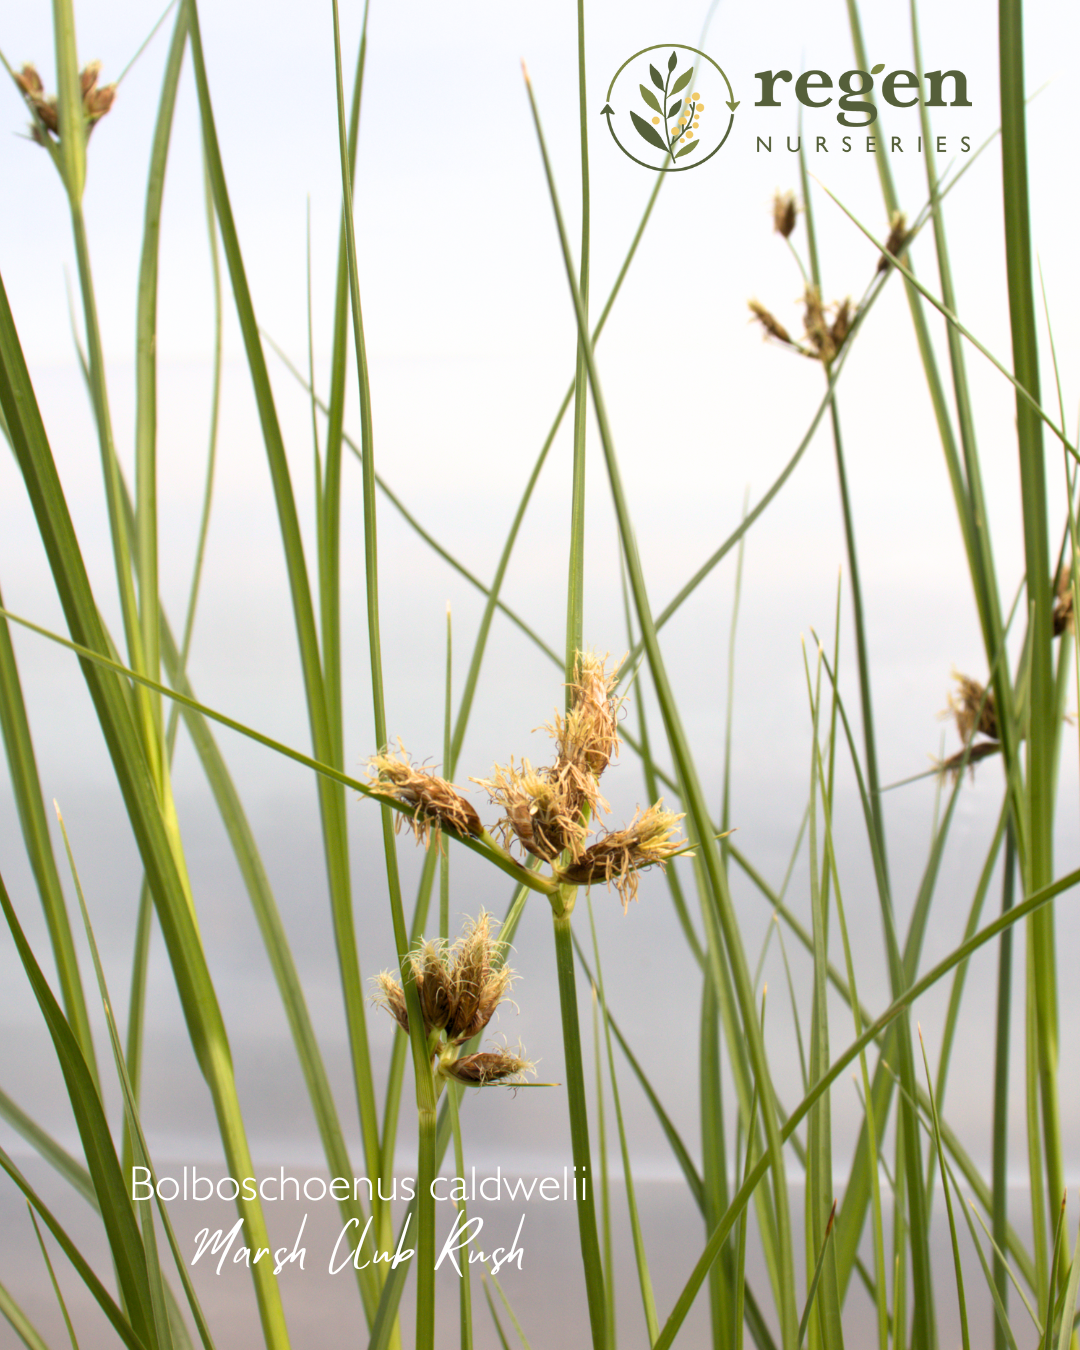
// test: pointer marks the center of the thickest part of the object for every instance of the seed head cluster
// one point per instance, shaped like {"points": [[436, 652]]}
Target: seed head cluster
{"points": [[545, 811], [459, 986], [96, 100], [825, 327]]}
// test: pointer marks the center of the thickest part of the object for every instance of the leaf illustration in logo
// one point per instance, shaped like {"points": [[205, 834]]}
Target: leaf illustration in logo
{"points": [[650, 99], [692, 146], [648, 132], [683, 80], [674, 108], [655, 76], [672, 62]]}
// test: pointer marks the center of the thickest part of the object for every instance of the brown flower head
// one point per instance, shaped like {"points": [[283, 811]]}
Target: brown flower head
{"points": [[783, 213], [488, 1068], [841, 325], [390, 995], [588, 739], [619, 855], [973, 707], [773, 327], [818, 328], [96, 101], [541, 809], [434, 984], [824, 338], [459, 986], [896, 240], [437, 803], [480, 979]]}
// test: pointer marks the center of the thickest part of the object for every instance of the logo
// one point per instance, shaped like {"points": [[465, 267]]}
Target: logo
{"points": [[670, 108]]}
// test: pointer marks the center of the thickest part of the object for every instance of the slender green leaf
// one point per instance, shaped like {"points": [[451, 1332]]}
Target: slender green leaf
{"points": [[124, 1241], [19, 1322]]}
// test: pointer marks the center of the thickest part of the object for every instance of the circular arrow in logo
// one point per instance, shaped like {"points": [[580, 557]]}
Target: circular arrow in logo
{"points": [[678, 110]]}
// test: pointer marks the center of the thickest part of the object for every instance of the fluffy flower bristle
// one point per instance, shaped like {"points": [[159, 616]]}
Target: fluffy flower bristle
{"points": [[437, 804], [588, 738], [619, 855], [479, 984], [390, 995]]}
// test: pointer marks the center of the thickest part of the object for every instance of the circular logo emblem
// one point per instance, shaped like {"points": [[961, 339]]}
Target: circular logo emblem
{"points": [[670, 107]]}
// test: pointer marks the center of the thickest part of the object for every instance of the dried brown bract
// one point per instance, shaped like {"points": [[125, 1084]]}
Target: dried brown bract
{"points": [[772, 325], [96, 101], [541, 810], [896, 240], [434, 984], [437, 803], [783, 213], [619, 855]]}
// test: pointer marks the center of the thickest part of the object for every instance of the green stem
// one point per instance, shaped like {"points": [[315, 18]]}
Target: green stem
{"points": [[575, 603], [465, 1302], [426, 1167], [579, 1129], [1042, 734], [111, 472], [1001, 1088]]}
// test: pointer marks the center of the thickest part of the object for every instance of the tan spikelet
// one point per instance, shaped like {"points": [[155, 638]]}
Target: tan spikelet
{"points": [[437, 804]]}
